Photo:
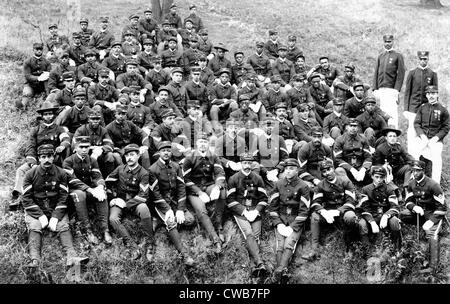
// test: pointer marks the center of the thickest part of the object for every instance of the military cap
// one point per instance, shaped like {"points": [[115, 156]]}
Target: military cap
{"points": [[172, 38], [166, 22], [84, 20], [358, 84], [177, 70], [95, 113], [79, 92], [353, 122], [268, 119], [388, 37], [323, 57], [164, 144], [388, 129], [299, 77], [282, 48], [83, 140], [194, 39], [378, 170], [134, 89], [123, 99], [300, 56], [52, 26], [431, 89], [128, 33], [238, 52], [246, 156], [291, 162], [131, 62], [38, 45], [130, 148], [104, 19], [338, 101], [90, 52], [173, 5], [163, 88], [76, 35], [302, 107], [422, 54], [133, 16], [370, 99], [192, 6], [68, 76], [167, 112], [202, 58], [418, 164], [202, 135], [203, 32], [148, 10], [47, 106], [314, 75], [275, 78], [224, 71], [156, 59], [316, 131], [193, 103], [221, 46], [121, 108], [350, 66], [325, 164], [103, 72], [243, 97], [281, 105], [292, 38], [195, 69], [188, 20], [46, 149], [116, 43], [273, 32], [259, 44]]}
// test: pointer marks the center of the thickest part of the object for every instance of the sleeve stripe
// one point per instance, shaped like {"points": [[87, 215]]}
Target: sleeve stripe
{"points": [[406, 206], [31, 207], [437, 212], [273, 213], [315, 204], [151, 187], [218, 166], [96, 170], [63, 135], [107, 140], [182, 199], [317, 195], [336, 153], [180, 179], [70, 171], [283, 149], [368, 213], [349, 205], [220, 177], [27, 188], [304, 200], [140, 198], [29, 156], [75, 180], [64, 187], [300, 218], [440, 198], [187, 171], [232, 204], [303, 164], [394, 210], [408, 195], [60, 207], [190, 184], [232, 190], [274, 196], [262, 190], [350, 193], [111, 179], [263, 203]]}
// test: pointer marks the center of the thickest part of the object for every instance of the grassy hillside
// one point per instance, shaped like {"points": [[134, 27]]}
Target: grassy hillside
{"points": [[346, 31]]}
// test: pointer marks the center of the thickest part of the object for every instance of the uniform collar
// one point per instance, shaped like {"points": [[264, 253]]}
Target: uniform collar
{"points": [[134, 171], [161, 162], [43, 171], [292, 181], [245, 174]]}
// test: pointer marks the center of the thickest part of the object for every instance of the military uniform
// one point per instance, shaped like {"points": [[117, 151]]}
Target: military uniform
{"points": [[88, 71], [321, 96], [272, 97], [101, 40], [309, 157], [343, 84], [216, 64], [64, 97], [115, 64], [330, 74], [207, 77], [297, 97], [32, 69], [76, 53], [239, 72], [293, 53], [197, 91], [57, 41], [284, 68], [127, 80], [147, 26], [126, 133], [86, 36], [334, 125], [55, 80], [302, 128], [371, 125], [145, 62], [174, 20], [171, 58], [260, 63], [140, 115], [76, 117], [179, 95], [271, 49]]}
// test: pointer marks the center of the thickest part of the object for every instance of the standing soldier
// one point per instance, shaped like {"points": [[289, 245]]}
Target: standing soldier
{"points": [[87, 185], [288, 210], [425, 198], [415, 93], [432, 124], [333, 197], [85, 32], [247, 199], [388, 78], [45, 192]]}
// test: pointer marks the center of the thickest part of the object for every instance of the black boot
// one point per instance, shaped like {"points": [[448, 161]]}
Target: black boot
{"points": [[34, 246], [67, 243], [434, 253], [396, 238], [282, 271], [151, 242], [253, 250], [176, 240]]}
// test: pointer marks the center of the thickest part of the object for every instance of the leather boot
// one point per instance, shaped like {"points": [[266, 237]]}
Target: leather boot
{"points": [[253, 250], [34, 246], [434, 253], [396, 240], [282, 270], [176, 240], [279, 255], [207, 224], [315, 233], [151, 242], [67, 243]]}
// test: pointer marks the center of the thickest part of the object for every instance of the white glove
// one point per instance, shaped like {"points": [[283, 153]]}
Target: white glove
{"points": [[333, 212], [255, 106], [281, 228], [384, 221], [179, 216], [96, 152], [288, 231], [245, 214], [234, 166], [355, 173], [418, 210], [215, 193], [52, 224], [44, 221], [374, 226], [372, 150], [142, 96], [433, 140], [169, 216], [423, 137], [327, 216], [289, 145], [142, 149], [99, 193], [252, 215], [204, 197], [328, 141], [102, 54], [71, 62], [146, 130], [316, 181], [44, 76], [180, 147], [427, 226], [110, 105], [272, 175]]}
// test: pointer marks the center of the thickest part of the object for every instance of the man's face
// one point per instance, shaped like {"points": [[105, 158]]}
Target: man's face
{"points": [[134, 22], [300, 62], [246, 166], [224, 78], [177, 77], [391, 138], [291, 43], [203, 145], [84, 26], [353, 129], [132, 69], [173, 10], [132, 158], [290, 171], [128, 38], [193, 11], [204, 36], [46, 160], [48, 116], [423, 61], [282, 53], [166, 27], [338, 108], [315, 82], [169, 120], [134, 97], [273, 37], [148, 47], [79, 101], [259, 49], [163, 95], [188, 25], [432, 97], [193, 111], [193, 44], [53, 31], [370, 108], [70, 84], [304, 113], [281, 113], [239, 58], [82, 149], [202, 63], [76, 41], [64, 60], [348, 72], [220, 53], [316, 140], [90, 58], [378, 179], [324, 63], [196, 76], [328, 173], [116, 49], [157, 65], [104, 25], [359, 92], [276, 85], [172, 44], [37, 52], [103, 80], [165, 153], [94, 122], [245, 104], [148, 15], [388, 44], [121, 116], [418, 173]]}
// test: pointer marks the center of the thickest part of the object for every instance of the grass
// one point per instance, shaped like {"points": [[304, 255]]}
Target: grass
{"points": [[346, 31]]}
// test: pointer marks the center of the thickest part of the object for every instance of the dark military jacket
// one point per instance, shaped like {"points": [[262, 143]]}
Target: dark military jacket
{"points": [[246, 192]]}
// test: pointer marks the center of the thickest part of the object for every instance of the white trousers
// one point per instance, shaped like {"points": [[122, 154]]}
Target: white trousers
{"points": [[411, 133], [431, 151], [388, 99]]}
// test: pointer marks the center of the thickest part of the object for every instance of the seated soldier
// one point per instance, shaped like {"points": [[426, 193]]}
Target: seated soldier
{"points": [[371, 122], [191, 56], [145, 59], [247, 199], [193, 124], [244, 113], [274, 95], [130, 46], [260, 63], [78, 114], [196, 90], [254, 94], [64, 97], [321, 94], [132, 77], [206, 74], [157, 76], [169, 177], [130, 189], [303, 123], [425, 203], [288, 209], [379, 208], [284, 68], [45, 192], [343, 84], [88, 72], [223, 98], [88, 186], [352, 154], [177, 91], [355, 105], [335, 123], [115, 60], [239, 70], [284, 127], [333, 197], [219, 62], [172, 56], [138, 113], [163, 102], [55, 80], [205, 188], [299, 93], [293, 51]]}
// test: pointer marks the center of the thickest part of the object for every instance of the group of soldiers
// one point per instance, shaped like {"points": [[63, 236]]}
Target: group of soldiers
{"points": [[159, 124]]}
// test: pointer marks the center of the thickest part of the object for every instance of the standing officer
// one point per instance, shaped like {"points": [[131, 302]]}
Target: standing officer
{"points": [[88, 186], [388, 78], [432, 124], [425, 198], [45, 192], [288, 211], [247, 199], [415, 92]]}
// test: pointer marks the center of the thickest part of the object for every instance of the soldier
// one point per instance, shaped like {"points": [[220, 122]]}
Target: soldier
{"points": [[172, 57], [415, 92], [77, 49], [205, 184], [292, 50], [187, 33], [78, 114], [335, 123], [393, 156], [178, 91], [145, 58], [240, 69], [288, 211], [206, 74], [36, 71], [284, 126], [132, 77], [173, 18], [167, 130], [247, 199], [432, 124], [333, 197], [157, 76], [310, 155], [130, 46], [219, 62], [299, 93], [102, 39], [163, 36], [169, 177], [254, 95], [204, 44], [303, 123], [244, 114], [321, 94], [64, 97], [47, 132], [261, 63], [328, 73], [271, 46], [196, 90], [426, 199], [116, 60], [283, 67], [196, 20], [55, 79], [355, 106], [148, 26], [301, 67], [45, 192], [388, 78], [223, 98], [343, 84], [274, 94], [163, 101], [132, 28], [194, 123], [131, 187], [371, 122], [87, 185], [379, 208], [55, 41], [85, 33], [352, 154], [88, 72]]}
